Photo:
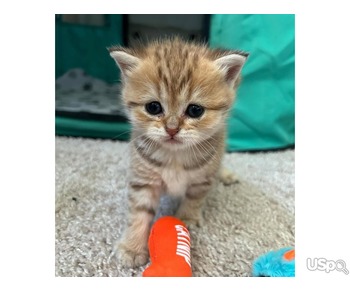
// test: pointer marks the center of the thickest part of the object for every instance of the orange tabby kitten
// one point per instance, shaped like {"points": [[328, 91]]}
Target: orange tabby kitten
{"points": [[178, 95]]}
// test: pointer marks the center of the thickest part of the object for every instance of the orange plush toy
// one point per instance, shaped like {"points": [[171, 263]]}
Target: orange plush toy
{"points": [[169, 247]]}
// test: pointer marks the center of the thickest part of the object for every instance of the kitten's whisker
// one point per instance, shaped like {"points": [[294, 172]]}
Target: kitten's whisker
{"points": [[201, 141], [137, 137], [207, 143], [115, 137], [149, 146], [203, 136], [210, 155], [194, 153], [195, 149], [205, 146], [200, 152]]}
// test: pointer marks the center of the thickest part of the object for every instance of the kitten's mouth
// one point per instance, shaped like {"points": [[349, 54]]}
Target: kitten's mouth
{"points": [[172, 141]]}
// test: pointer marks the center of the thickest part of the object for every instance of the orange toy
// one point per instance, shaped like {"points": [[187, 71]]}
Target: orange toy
{"points": [[169, 247]]}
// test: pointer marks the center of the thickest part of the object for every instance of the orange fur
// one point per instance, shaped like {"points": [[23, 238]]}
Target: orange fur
{"points": [[176, 74]]}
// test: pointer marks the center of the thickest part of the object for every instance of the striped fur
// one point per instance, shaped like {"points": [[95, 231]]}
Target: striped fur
{"points": [[175, 74]]}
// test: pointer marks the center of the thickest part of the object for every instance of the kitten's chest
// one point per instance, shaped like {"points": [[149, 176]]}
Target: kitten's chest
{"points": [[175, 179]]}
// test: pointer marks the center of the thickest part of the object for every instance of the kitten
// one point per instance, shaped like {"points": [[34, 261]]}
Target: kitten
{"points": [[178, 95]]}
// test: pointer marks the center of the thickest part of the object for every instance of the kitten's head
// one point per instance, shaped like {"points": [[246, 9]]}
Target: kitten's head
{"points": [[178, 93]]}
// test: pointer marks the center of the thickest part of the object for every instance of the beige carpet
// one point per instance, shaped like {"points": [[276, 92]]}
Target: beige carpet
{"points": [[243, 221]]}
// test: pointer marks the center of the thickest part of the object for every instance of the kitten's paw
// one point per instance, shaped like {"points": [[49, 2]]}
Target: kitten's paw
{"points": [[227, 177], [131, 259], [191, 221]]}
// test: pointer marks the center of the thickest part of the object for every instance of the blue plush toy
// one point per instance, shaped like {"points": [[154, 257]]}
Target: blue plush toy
{"points": [[279, 263]]}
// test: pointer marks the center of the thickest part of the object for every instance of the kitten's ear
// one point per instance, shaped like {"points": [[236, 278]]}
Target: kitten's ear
{"points": [[125, 61], [231, 65]]}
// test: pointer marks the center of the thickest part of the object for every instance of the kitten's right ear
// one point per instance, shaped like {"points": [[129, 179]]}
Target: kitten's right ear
{"points": [[125, 61], [231, 64]]}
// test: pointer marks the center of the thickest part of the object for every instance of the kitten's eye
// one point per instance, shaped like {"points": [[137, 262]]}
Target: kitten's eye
{"points": [[194, 111], [154, 108]]}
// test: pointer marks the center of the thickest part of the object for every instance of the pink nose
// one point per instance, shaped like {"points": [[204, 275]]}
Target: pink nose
{"points": [[172, 131]]}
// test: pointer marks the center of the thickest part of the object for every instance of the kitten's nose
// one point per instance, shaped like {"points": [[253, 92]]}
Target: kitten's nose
{"points": [[172, 131]]}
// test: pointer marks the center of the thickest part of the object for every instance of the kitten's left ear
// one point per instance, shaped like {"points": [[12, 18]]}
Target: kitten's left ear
{"points": [[231, 65], [125, 60]]}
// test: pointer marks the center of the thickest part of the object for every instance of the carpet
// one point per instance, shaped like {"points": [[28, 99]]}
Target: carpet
{"points": [[242, 221]]}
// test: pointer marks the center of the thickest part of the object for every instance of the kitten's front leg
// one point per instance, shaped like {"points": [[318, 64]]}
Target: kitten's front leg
{"points": [[143, 202], [190, 210]]}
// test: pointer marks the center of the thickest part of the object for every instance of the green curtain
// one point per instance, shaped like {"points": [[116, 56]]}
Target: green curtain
{"points": [[264, 114]]}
